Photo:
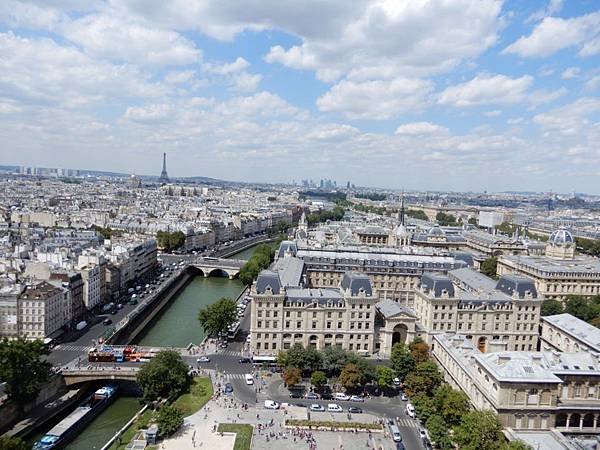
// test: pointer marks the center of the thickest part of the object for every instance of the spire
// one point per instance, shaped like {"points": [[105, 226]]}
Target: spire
{"points": [[402, 209], [164, 177]]}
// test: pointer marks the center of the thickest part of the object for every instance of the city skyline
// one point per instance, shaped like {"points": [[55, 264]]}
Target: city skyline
{"points": [[470, 96]]}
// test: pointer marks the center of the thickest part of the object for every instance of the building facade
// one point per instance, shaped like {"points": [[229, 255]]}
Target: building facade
{"points": [[567, 333]]}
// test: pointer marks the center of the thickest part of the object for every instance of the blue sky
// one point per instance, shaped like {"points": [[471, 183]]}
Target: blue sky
{"points": [[421, 94]]}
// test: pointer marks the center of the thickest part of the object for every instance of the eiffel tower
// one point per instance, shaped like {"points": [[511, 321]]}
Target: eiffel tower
{"points": [[164, 177]]}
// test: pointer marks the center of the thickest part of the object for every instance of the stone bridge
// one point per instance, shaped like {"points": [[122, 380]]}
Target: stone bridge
{"points": [[218, 266], [82, 375]]}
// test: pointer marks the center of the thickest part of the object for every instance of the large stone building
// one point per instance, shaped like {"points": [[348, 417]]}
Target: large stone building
{"points": [[528, 390], [40, 310], [567, 333], [558, 273], [488, 312]]}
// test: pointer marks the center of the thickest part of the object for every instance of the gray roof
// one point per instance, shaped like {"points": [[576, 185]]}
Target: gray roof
{"points": [[287, 246], [582, 266], [464, 256], [290, 271], [472, 280], [577, 328], [437, 283], [509, 284], [390, 308], [356, 282], [268, 279], [308, 295]]}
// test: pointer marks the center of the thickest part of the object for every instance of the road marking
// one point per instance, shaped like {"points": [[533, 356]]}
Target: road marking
{"points": [[407, 423]]}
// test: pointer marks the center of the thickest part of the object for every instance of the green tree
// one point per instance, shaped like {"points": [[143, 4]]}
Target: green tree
{"points": [[445, 219], [438, 431], [350, 377], [318, 379], [22, 368], [595, 321], [451, 404], [419, 350], [334, 359], [313, 359], [417, 214], [489, 266], [472, 221], [164, 376], [291, 376], [401, 360], [218, 317], [425, 378], [367, 371], [580, 307], [261, 259], [423, 405], [385, 377], [517, 445], [12, 443], [170, 241], [479, 430], [551, 307], [169, 420]]}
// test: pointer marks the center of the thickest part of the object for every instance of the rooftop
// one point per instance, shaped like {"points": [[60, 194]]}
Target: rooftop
{"points": [[585, 265], [582, 331]]}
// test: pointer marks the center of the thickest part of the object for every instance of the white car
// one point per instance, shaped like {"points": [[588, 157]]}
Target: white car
{"points": [[341, 396], [270, 404], [410, 410], [317, 407], [334, 407], [203, 359], [397, 381], [357, 398]]}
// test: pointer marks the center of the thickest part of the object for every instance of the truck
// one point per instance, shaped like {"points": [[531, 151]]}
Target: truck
{"points": [[81, 325]]}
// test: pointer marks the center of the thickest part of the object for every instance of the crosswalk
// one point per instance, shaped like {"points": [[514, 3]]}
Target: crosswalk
{"points": [[407, 423], [235, 376], [229, 353], [72, 348]]}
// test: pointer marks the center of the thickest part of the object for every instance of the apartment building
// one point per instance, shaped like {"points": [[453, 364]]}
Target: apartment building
{"points": [[567, 333], [487, 311], [528, 390], [9, 308], [39, 310]]}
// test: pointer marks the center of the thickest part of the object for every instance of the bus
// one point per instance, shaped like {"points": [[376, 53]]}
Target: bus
{"points": [[269, 361]]}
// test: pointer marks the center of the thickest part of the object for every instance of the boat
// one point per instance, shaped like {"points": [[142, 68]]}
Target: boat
{"points": [[63, 432]]}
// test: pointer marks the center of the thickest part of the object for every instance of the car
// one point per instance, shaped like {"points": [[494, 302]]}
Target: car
{"points": [[245, 360], [296, 394], [228, 388], [397, 381], [341, 396], [317, 407], [203, 359], [410, 410], [311, 396], [404, 397], [223, 345], [326, 396], [270, 404], [114, 311], [334, 407], [422, 434], [357, 398], [107, 322], [249, 339], [355, 410]]}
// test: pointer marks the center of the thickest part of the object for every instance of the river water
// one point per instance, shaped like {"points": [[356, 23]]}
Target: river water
{"points": [[177, 326]]}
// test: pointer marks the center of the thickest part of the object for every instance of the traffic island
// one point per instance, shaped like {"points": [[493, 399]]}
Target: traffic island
{"points": [[329, 425]]}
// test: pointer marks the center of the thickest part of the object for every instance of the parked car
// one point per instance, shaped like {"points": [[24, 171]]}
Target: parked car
{"points": [[311, 396], [107, 322], [410, 410], [404, 397], [357, 398], [228, 388], [296, 394], [397, 381], [341, 396], [245, 360], [355, 410], [203, 359], [317, 407], [334, 407], [270, 404]]}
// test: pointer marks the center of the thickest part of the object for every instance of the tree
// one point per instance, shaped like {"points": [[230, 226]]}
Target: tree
{"points": [[551, 307], [385, 377], [366, 370], [445, 219], [12, 443], [423, 405], [169, 420], [218, 317], [579, 307], [313, 359], [489, 266], [164, 376], [419, 350], [292, 376], [438, 431], [425, 378], [517, 445], [318, 379], [479, 430], [472, 221], [595, 321], [334, 359], [22, 368], [451, 404], [170, 241], [350, 377], [261, 258], [401, 360]]}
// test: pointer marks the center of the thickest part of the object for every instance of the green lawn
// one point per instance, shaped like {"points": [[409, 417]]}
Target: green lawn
{"points": [[130, 432], [200, 392], [243, 437]]}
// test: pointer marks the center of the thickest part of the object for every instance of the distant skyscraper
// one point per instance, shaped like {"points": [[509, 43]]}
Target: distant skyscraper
{"points": [[164, 177]]}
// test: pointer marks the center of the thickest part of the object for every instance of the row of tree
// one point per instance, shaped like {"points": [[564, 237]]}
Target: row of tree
{"points": [[588, 246], [261, 259], [585, 308], [371, 196], [170, 241], [446, 220], [324, 215]]}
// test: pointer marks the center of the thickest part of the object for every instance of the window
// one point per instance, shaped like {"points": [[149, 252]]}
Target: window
{"points": [[259, 324], [314, 314], [259, 313], [287, 323], [314, 325], [328, 324], [274, 313], [287, 314], [339, 325], [298, 324], [577, 390]]}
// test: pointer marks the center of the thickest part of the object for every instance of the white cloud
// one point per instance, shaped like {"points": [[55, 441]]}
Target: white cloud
{"points": [[377, 99], [149, 113], [552, 8], [245, 82], [570, 72], [227, 68], [420, 129], [571, 118], [178, 77], [593, 83], [554, 34], [493, 113], [541, 96], [116, 39], [487, 89]]}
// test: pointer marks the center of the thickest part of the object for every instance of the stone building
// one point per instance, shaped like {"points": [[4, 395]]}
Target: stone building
{"points": [[567, 333], [528, 390], [40, 310]]}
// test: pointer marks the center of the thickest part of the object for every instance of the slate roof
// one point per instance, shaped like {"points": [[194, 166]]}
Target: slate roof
{"points": [[390, 308], [355, 282]]}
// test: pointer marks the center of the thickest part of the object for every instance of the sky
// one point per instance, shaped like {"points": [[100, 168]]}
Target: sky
{"points": [[463, 95]]}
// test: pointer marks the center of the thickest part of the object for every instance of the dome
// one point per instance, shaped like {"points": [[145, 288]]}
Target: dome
{"points": [[436, 231], [560, 237]]}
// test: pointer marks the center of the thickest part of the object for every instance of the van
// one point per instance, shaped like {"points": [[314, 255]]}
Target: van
{"points": [[249, 379], [396, 436], [334, 407]]}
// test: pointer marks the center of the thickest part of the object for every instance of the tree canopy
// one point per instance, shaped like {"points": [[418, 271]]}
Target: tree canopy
{"points": [[401, 360], [261, 259], [551, 307], [446, 219], [350, 377], [489, 267], [218, 317], [169, 420], [292, 376], [170, 241], [385, 377], [164, 376], [419, 350], [302, 358], [318, 379], [13, 443], [479, 430], [451, 404], [22, 368], [425, 378]]}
